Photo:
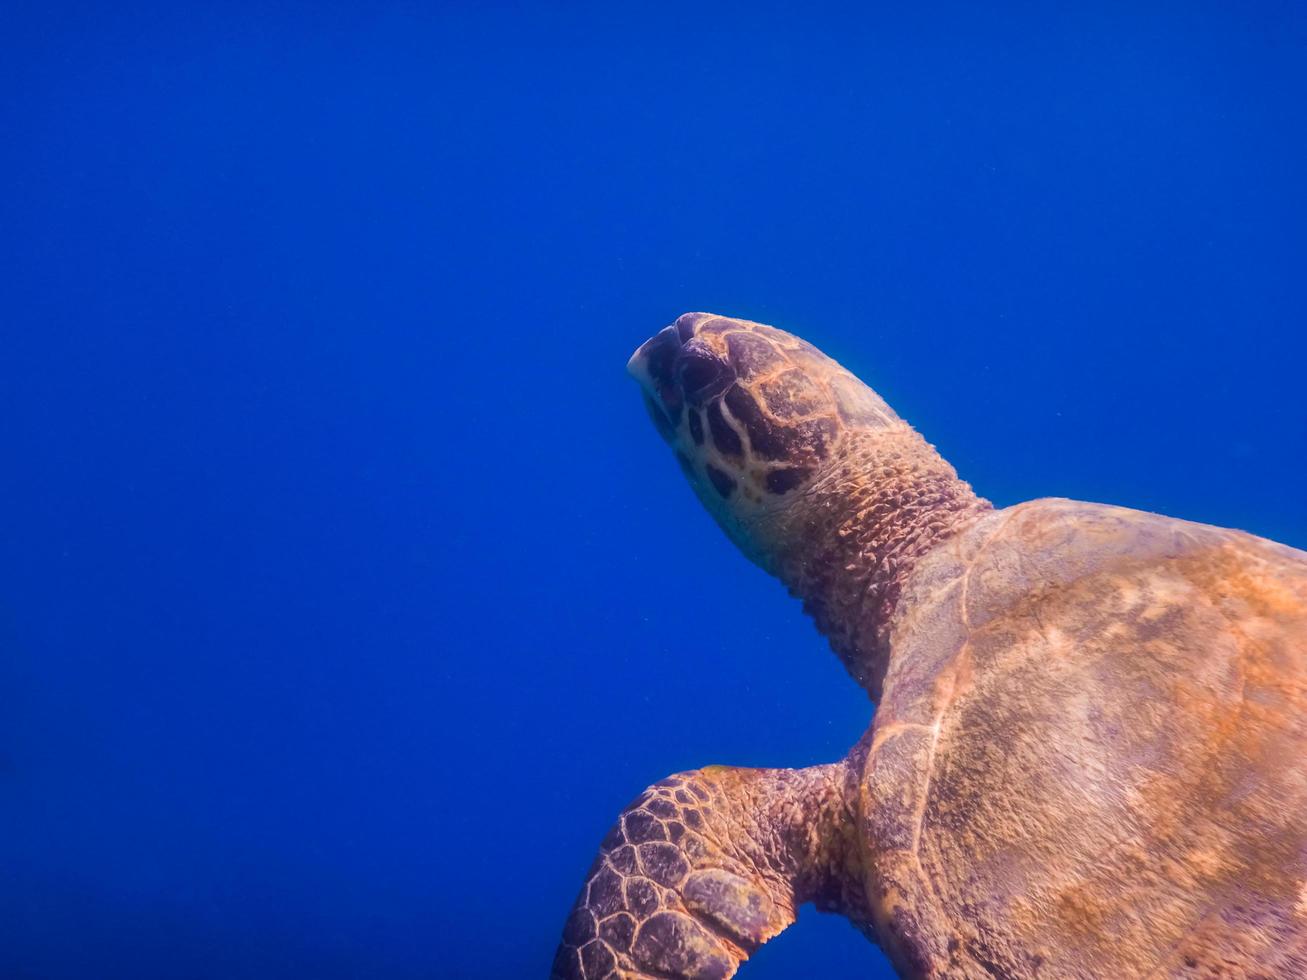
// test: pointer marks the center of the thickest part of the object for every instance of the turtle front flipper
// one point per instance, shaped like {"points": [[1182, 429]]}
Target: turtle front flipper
{"points": [[706, 866]]}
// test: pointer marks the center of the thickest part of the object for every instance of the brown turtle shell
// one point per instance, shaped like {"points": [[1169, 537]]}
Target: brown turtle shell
{"points": [[1090, 759]]}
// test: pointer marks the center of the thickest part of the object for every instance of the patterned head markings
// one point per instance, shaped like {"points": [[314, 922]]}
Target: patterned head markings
{"points": [[752, 412]]}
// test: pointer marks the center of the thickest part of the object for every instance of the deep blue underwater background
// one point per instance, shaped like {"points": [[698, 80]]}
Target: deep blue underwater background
{"points": [[346, 594]]}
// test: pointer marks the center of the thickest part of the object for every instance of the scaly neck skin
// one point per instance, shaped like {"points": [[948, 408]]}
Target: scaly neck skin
{"points": [[848, 544]]}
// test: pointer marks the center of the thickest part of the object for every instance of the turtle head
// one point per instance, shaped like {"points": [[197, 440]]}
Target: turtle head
{"points": [[806, 469], [755, 416]]}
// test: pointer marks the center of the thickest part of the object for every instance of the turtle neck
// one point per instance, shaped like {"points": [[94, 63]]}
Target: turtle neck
{"points": [[847, 545]]}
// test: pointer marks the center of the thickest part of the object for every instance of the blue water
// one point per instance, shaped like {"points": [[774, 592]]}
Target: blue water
{"points": [[346, 593]]}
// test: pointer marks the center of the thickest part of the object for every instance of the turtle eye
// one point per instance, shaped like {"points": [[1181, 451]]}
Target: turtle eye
{"points": [[702, 373]]}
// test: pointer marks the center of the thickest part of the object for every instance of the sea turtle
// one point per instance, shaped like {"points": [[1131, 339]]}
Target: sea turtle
{"points": [[1089, 752]]}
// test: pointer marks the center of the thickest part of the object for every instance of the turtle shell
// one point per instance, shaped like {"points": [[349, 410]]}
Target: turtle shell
{"points": [[1090, 758]]}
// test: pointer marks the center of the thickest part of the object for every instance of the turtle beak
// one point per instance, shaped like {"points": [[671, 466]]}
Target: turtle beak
{"points": [[651, 364]]}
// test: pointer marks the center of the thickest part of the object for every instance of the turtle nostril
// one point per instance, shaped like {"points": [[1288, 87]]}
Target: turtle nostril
{"points": [[701, 373], [698, 372]]}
